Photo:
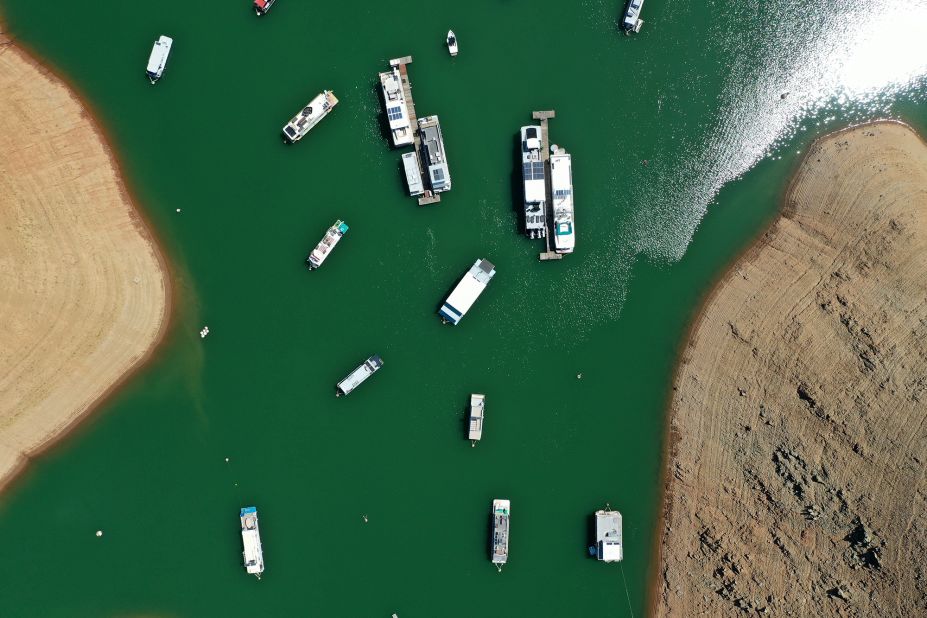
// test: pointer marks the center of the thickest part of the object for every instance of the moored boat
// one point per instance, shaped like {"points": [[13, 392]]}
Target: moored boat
{"points": [[467, 291], [309, 116], [434, 157], [609, 546], [397, 110], [535, 187], [413, 174], [561, 188], [262, 6], [631, 21], [356, 377], [501, 511], [158, 58], [325, 246], [477, 407], [452, 42], [251, 539]]}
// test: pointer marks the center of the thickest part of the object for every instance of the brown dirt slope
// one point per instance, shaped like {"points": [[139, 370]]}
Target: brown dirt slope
{"points": [[796, 473], [83, 293]]}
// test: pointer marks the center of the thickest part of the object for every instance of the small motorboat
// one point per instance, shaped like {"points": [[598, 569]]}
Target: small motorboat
{"points": [[452, 42]]}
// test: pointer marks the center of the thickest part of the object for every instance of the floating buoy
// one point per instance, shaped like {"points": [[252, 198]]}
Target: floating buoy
{"points": [[99, 533], [178, 210], [226, 460], [579, 376], [365, 519]]}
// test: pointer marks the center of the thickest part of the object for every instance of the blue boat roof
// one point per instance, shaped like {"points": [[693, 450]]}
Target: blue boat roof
{"points": [[248, 509], [343, 228]]}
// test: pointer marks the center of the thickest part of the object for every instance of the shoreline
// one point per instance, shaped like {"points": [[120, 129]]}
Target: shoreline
{"points": [[672, 436], [143, 227]]}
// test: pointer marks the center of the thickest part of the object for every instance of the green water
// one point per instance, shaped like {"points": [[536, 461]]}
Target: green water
{"points": [[698, 95]]}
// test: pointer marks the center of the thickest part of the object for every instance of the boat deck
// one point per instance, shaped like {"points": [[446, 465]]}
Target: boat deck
{"points": [[426, 199], [544, 116]]}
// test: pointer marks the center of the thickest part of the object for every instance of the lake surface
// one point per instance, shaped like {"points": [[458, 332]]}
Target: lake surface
{"points": [[719, 102]]}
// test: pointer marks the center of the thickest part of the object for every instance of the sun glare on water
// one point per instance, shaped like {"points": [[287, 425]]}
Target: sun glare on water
{"points": [[853, 56]]}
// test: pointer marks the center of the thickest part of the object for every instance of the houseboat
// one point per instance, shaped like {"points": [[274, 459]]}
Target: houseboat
{"points": [[535, 187], [631, 20], [359, 375], [477, 406], [434, 157], [158, 58], [397, 111], [309, 116], [609, 546], [467, 291], [561, 189], [501, 511], [328, 242], [413, 174], [251, 539]]}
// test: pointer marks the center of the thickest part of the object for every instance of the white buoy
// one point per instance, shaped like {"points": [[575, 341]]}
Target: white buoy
{"points": [[226, 460], [579, 376], [178, 210], [365, 519], [99, 533]]}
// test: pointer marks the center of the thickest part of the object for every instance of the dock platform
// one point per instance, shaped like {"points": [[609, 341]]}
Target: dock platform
{"points": [[544, 116], [429, 197]]}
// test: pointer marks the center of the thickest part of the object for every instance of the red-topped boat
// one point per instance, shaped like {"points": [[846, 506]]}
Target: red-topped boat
{"points": [[262, 6]]}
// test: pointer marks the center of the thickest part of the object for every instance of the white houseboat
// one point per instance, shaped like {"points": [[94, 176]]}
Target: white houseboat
{"points": [[532, 172], [477, 407], [609, 546], [631, 20], [321, 252], [158, 58], [309, 116], [251, 539], [397, 111], [467, 291], [561, 188], [357, 377]]}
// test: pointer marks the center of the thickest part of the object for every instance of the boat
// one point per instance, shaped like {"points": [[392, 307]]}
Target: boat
{"points": [[251, 539], [467, 291], [532, 173], [397, 111], [309, 116], [609, 546], [452, 42], [158, 58], [262, 6], [357, 377], [433, 155], [501, 510], [325, 246], [632, 22], [413, 174], [477, 406], [561, 189]]}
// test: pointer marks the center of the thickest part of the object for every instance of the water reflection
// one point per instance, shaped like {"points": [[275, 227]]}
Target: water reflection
{"points": [[854, 56]]}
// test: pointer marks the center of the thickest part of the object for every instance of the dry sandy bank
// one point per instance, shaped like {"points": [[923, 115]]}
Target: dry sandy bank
{"points": [[83, 289], [798, 421]]}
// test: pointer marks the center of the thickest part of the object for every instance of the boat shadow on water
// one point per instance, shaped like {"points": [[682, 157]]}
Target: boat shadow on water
{"points": [[517, 185], [590, 536]]}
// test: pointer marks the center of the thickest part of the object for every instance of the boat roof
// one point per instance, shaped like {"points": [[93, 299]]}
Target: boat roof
{"points": [[413, 174], [397, 112], [633, 12], [159, 53]]}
